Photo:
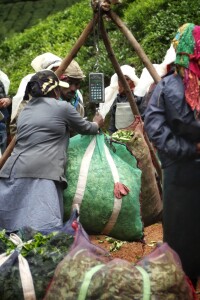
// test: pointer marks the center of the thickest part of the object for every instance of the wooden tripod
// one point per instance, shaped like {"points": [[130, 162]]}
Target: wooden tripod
{"points": [[98, 16]]}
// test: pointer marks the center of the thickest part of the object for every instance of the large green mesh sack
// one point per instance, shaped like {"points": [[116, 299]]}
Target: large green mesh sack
{"points": [[93, 170]]}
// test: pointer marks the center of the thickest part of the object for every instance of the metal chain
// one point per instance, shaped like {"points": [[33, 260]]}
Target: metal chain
{"points": [[96, 31]]}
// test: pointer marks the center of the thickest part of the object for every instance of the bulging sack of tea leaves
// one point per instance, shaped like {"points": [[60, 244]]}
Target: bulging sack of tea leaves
{"points": [[104, 183], [28, 260], [88, 273], [151, 203]]}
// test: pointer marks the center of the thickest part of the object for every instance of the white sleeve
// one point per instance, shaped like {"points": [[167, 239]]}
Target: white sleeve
{"points": [[5, 80], [17, 99]]}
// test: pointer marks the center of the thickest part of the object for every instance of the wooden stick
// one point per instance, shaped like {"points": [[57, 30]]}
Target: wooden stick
{"points": [[81, 40], [7, 152], [128, 93], [136, 46], [117, 68]]}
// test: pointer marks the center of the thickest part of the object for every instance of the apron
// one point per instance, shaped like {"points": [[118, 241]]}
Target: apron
{"points": [[123, 116]]}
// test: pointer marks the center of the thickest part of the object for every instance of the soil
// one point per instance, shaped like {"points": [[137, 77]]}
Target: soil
{"points": [[133, 251]]}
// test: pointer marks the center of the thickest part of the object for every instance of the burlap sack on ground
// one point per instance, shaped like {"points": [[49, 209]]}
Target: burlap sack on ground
{"points": [[151, 203]]}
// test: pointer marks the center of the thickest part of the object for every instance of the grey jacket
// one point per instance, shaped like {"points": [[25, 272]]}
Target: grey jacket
{"points": [[42, 139]]}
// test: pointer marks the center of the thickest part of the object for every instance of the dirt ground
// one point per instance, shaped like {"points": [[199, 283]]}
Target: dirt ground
{"points": [[133, 251]]}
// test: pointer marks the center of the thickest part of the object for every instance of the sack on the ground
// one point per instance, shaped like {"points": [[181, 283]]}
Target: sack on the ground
{"points": [[104, 183], [151, 203], [28, 260], [88, 273]]}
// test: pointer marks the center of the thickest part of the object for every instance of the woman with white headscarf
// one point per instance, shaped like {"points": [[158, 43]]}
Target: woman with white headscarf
{"points": [[117, 102]]}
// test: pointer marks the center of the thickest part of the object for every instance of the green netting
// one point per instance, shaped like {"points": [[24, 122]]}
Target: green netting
{"points": [[98, 196]]}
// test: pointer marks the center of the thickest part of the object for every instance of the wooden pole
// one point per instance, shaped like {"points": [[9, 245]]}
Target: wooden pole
{"points": [[136, 46], [117, 68], [129, 94], [81, 40], [7, 152]]}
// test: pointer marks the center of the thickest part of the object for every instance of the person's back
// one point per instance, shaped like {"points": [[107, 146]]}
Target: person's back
{"points": [[5, 102]]}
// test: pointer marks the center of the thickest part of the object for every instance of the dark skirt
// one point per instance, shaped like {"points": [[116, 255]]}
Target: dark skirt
{"points": [[181, 213]]}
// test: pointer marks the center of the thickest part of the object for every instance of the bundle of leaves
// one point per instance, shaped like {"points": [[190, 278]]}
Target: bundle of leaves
{"points": [[123, 135], [43, 253]]}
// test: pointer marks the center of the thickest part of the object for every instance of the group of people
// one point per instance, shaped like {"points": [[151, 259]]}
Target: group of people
{"points": [[33, 178]]}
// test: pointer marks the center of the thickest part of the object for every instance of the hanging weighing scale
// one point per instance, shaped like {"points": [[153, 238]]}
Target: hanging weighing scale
{"points": [[96, 88], [96, 79]]}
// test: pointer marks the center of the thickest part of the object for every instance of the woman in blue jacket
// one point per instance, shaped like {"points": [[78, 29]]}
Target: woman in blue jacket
{"points": [[172, 122]]}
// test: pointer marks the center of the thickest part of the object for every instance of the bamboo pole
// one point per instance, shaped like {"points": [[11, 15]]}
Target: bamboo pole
{"points": [[136, 46], [7, 152], [129, 94], [79, 43], [117, 68]]}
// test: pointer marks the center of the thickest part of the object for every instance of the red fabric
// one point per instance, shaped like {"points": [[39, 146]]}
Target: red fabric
{"points": [[193, 65], [192, 74], [120, 190], [192, 90]]}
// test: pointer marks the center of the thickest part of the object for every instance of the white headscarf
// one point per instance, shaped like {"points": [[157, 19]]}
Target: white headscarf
{"points": [[5, 80], [45, 61], [112, 90], [146, 79]]}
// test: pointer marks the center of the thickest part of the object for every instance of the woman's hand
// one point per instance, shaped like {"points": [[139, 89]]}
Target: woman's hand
{"points": [[5, 102], [98, 119]]}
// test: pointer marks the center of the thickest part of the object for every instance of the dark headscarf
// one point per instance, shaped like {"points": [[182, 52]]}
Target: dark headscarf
{"points": [[41, 84]]}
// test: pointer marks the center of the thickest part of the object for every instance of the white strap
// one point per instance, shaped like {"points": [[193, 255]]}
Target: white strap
{"points": [[83, 174], [26, 279], [117, 202], [24, 270], [16, 240], [3, 258]]}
